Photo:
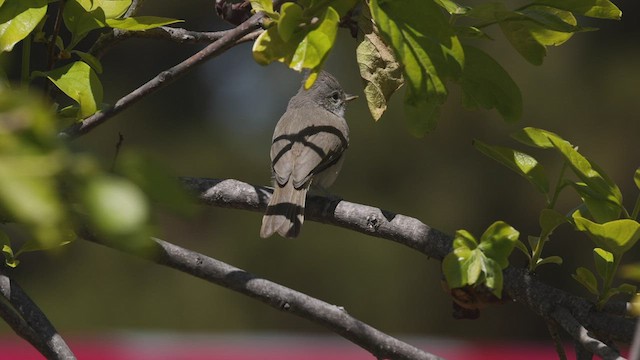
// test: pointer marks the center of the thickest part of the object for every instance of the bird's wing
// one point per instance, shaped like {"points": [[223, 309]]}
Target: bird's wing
{"points": [[311, 139]]}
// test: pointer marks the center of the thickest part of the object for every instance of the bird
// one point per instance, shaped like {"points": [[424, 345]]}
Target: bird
{"points": [[307, 150]]}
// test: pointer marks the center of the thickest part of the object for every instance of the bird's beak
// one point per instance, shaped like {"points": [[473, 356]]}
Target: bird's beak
{"points": [[350, 97]]}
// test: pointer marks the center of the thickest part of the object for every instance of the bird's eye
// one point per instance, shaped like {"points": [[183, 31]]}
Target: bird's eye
{"points": [[335, 96]]}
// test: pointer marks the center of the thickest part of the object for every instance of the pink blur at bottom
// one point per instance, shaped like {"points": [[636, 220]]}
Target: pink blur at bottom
{"points": [[135, 346]]}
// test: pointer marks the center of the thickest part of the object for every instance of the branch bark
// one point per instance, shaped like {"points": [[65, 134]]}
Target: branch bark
{"points": [[229, 39], [277, 296], [582, 336], [519, 284], [29, 322]]}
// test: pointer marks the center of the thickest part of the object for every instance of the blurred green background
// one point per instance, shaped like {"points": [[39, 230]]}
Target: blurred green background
{"points": [[217, 122]]}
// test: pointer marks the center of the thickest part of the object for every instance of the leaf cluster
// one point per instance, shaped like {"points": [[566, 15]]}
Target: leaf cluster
{"points": [[601, 214], [424, 44]]}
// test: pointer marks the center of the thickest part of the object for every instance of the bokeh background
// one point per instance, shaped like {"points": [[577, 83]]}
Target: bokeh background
{"points": [[217, 122]]}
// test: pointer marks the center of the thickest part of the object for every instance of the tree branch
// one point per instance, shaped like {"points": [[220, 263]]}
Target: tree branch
{"points": [[177, 35], [519, 284], [225, 42], [581, 335], [277, 296], [29, 322]]}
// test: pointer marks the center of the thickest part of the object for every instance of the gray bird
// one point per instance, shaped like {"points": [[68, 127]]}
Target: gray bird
{"points": [[307, 150]]}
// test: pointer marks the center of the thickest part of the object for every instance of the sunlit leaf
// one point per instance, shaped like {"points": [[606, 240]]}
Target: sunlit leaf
{"points": [[80, 82], [530, 31], [9, 259], [18, 18], [534, 137], [498, 241], [523, 164], [550, 260], [616, 236], [604, 9], [140, 23], [604, 263], [314, 47]]}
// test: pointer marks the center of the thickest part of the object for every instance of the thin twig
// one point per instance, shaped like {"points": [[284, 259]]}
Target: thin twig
{"points": [[117, 151], [519, 284], [564, 318], [29, 322], [173, 34], [277, 296], [165, 77]]}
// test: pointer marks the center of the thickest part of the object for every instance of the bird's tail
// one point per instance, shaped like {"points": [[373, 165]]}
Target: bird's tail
{"points": [[285, 212]]}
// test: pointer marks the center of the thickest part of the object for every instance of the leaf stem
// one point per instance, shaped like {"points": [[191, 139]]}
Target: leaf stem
{"points": [[26, 61], [636, 209], [559, 186]]}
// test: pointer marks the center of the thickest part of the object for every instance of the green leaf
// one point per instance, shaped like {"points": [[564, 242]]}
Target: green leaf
{"points": [[523, 164], [603, 9], [600, 208], [604, 263], [591, 174], [485, 84], [379, 68], [616, 236], [290, 19], [452, 7], [549, 220], [550, 260], [140, 23], [498, 241], [493, 277], [9, 259], [585, 277], [111, 8], [534, 137], [522, 247], [269, 47], [79, 20], [115, 206], [265, 6], [308, 40], [463, 238], [636, 178], [90, 60], [426, 44], [471, 264], [533, 241], [533, 29], [314, 47], [627, 289], [80, 82], [18, 18]]}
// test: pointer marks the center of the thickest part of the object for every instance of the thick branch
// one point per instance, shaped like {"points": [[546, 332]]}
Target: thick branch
{"points": [[279, 297], [165, 77], [29, 322], [581, 335], [519, 284]]}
